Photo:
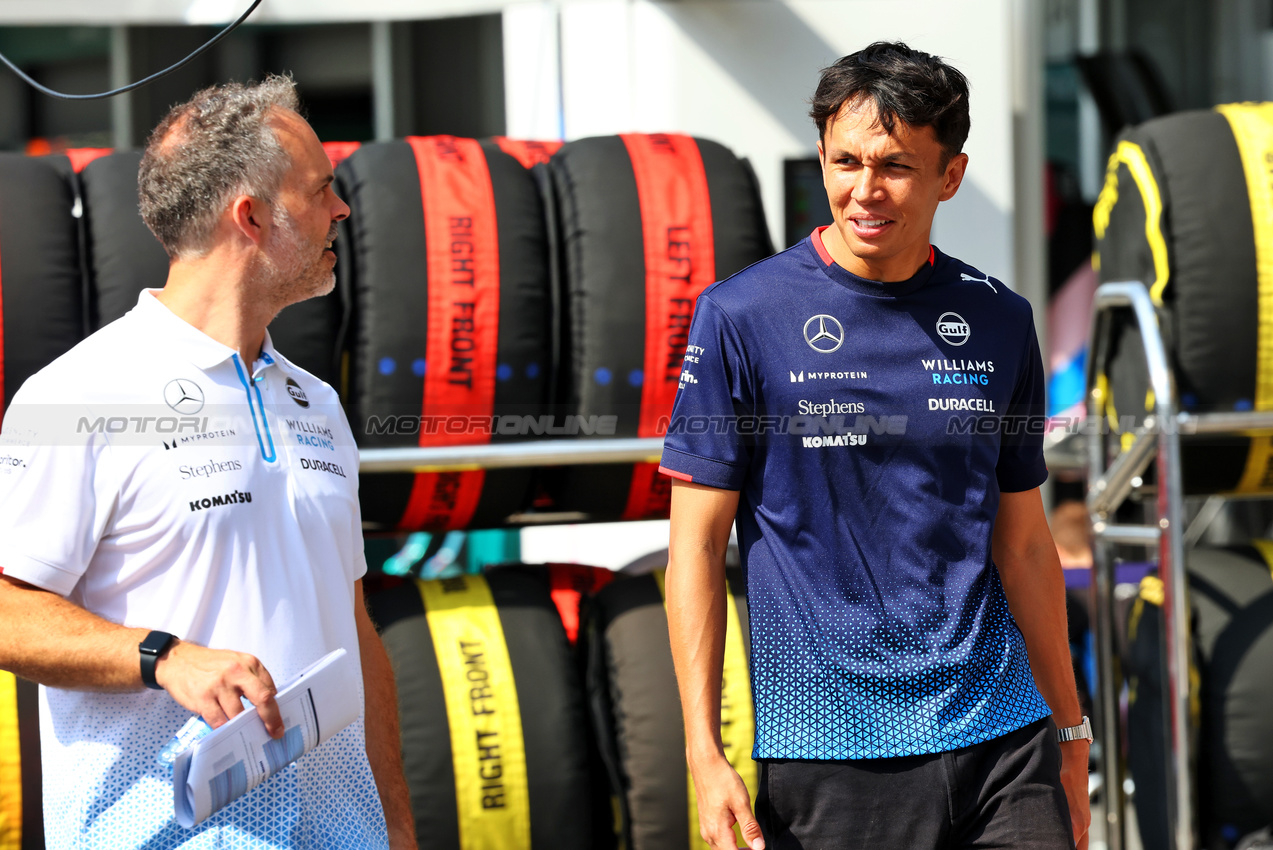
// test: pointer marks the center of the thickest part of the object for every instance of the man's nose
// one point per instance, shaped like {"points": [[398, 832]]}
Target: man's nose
{"points": [[341, 211], [870, 184]]}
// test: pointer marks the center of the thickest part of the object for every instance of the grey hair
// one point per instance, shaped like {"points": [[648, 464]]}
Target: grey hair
{"points": [[206, 152]]}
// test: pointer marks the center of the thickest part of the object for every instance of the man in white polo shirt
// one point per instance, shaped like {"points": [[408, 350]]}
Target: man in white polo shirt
{"points": [[181, 528]]}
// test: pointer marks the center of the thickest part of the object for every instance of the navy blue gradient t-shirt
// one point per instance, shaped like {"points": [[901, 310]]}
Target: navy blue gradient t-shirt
{"points": [[870, 429]]}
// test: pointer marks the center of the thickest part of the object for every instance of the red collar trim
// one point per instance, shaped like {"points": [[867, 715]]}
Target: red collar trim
{"points": [[819, 247]]}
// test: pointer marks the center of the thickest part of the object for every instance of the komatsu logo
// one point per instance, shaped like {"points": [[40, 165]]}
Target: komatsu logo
{"points": [[953, 329], [836, 441]]}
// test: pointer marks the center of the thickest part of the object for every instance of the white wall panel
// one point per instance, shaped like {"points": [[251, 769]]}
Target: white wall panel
{"points": [[532, 79], [741, 71]]}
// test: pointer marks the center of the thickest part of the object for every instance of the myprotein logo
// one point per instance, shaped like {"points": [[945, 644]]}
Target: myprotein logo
{"points": [[824, 333], [236, 497], [209, 469], [952, 328], [826, 376], [184, 396], [297, 394]]}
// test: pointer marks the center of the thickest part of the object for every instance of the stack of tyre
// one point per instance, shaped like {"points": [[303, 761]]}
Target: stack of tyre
{"points": [[1231, 601], [518, 737], [494, 303], [1200, 237], [1187, 209], [643, 223]]}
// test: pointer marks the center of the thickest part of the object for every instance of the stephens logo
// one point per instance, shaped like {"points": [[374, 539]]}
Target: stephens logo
{"points": [[184, 396], [297, 394], [209, 469], [824, 333], [953, 329]]}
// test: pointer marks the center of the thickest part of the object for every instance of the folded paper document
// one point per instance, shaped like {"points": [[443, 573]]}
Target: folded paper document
{"points": [[228, 762]]}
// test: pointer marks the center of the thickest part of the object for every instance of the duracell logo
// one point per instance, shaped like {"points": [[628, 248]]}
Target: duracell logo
{"points": [[322, 466]]}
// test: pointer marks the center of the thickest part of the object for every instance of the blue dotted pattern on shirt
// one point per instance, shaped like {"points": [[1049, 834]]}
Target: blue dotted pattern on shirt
{"points": [[809, 707], [327, 799]]}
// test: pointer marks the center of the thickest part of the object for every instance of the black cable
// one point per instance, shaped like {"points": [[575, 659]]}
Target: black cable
{"points": [[103, 95]]}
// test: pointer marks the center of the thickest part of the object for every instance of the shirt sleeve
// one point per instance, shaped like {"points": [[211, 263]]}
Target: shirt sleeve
{"points": [[56, 493], [1021, 466], [703, 443]]}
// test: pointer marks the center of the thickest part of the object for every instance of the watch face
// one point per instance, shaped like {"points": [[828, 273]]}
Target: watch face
{"points": [[155, 643]]}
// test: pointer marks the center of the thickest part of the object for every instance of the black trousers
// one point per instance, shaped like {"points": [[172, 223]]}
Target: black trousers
{"points": [[1003, 793]]}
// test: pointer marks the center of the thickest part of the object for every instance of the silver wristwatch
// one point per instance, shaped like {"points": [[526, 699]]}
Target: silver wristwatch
{"points": [[1081, 732]]}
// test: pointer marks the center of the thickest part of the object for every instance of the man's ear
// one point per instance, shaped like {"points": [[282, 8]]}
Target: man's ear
{"points": [[954, 176], [251, 217]]}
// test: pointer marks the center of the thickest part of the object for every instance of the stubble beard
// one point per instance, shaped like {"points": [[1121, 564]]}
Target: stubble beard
{"points": [[290, 269]]}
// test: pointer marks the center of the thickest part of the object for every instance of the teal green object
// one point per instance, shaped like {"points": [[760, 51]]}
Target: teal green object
{"points": [[494, 546], [446, 563], [401, 562]]}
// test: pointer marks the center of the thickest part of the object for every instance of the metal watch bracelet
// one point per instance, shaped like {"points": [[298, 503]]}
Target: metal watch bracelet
{"points": [[1081, 732]]}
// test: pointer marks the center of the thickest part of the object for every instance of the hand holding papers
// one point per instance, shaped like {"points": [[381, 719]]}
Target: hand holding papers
{"points": [[230, 761]]}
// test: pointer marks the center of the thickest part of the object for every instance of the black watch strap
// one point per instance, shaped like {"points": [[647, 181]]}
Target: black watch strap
{"points": [[152, 648]]}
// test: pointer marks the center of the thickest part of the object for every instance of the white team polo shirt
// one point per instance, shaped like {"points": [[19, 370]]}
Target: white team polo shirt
{"points": [[153, 478]]}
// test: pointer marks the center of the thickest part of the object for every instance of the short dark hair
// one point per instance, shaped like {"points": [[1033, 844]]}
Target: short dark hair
{"points": [[207, 151], [904, 84]]}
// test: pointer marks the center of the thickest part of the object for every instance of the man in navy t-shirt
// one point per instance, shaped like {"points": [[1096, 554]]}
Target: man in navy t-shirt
{"points": [[869, 410]]}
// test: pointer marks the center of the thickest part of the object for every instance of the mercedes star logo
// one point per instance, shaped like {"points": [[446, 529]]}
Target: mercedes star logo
{"points": [[184, 396], [824, 333]]}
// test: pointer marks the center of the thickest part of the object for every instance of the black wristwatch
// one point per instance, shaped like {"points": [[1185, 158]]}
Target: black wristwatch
{"points": [[155, 645]]}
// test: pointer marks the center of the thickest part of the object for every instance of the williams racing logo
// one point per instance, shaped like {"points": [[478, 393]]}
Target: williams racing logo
{"points": [[952, 328], [824, 333]]}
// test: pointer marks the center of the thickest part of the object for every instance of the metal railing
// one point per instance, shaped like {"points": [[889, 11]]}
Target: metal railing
{"points": [[508, 455], [1157, 442]]}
